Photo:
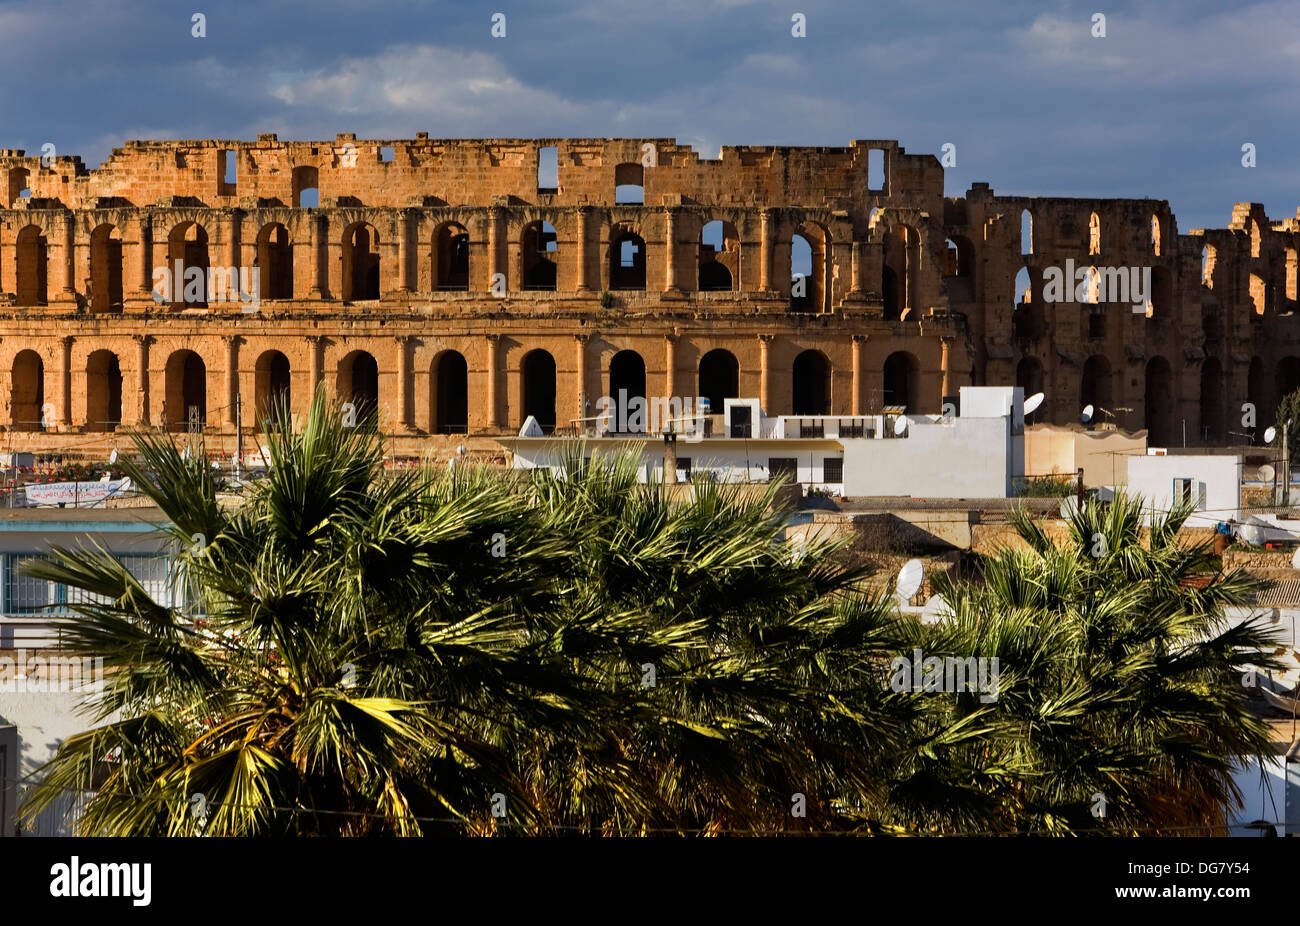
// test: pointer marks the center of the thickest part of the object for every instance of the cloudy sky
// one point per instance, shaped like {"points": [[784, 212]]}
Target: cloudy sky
{"points": [[1034, 104]]}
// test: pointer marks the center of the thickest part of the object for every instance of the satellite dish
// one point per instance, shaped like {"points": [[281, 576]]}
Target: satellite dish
{"points": [[1032, 403], [1269, 435], [900, 425], [1266, 473], [909, 578], [112, 457], [107, 477], [1295, 559], [935, 610], [1088, 412], [461, 450]]}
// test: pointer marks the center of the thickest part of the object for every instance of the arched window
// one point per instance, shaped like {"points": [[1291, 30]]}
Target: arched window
{"points": [[186, 392], [103, 391], [272, 386], [31, 267], [275, 262], [450, 393], [538, 252], [360, 263], [450, 257], [719, 255], [719, 378], [27, 392], [187, 244], [627, 261], [812, 383], [359, 385], [626, 386], [539, 389], [105, 269], [901, 381]]}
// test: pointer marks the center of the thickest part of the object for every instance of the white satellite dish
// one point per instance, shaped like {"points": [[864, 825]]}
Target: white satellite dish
{"points": [[1266, 473], [909, 579], [1295, 559], [1032, 403], [1088, 412], [935, 610], [530, 429], [1269, 435], [900, 425], [112, 457], [107, 477]]}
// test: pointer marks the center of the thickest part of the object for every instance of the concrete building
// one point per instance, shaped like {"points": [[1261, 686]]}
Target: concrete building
{"points": [[459, 286], [1211, 482], [975, 452], [42, 693]]}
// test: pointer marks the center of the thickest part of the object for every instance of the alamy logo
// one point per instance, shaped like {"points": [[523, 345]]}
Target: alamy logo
{"points": [[36, 674], [1098, 284], [105, 879], [183, 284], [950, 674], [637, 415]]}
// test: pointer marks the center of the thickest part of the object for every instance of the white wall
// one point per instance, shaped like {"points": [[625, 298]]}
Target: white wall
{"points": [[957, 458], [1218, 479]]}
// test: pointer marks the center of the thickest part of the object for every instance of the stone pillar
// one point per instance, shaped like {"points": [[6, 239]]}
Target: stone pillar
{"points": [[765, 251], [142, 364], [580, 360], [859, 267], [670, 365], [65, 412], [69, 255], [144, 260], [230, 253], [946, 386], [403, 382], [493, 346], [859, 344], [584, 222], [670, 223], [764, 377], [403, 251], [313, 366], [495, 264], [320, 261], [232, 376]]}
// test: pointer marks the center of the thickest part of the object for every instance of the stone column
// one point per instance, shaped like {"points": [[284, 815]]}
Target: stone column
{"points": [[493, 346], [859, 266], [144, 283], [584, 218], [670, 365], [230, 256], [65, 413], [320, 262], [765, 251], [670, 223], [403, 251], [69, 255], [764, 377], [946, 386], [313, 366], [859, 343], [403, 384], [495, 265], [232, 377], [580, 359], [142, 364]]}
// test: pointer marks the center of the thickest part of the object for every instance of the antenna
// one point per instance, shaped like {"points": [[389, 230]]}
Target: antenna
{"points": [[909, 579], [1032, 403]]}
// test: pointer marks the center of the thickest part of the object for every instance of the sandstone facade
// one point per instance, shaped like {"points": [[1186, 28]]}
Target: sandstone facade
{"points": [[457, 288]]}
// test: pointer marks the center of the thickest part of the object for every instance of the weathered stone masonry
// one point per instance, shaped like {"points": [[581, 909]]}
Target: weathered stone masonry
{"points": [[437, 280]]}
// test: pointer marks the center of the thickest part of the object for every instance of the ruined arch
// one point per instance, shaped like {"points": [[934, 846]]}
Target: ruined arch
{"points": [[358, 380], [450, 400], [187, 243], [1213, 402], [1159, 402], [627, 383], [719, 378], [27, 392], [272, 385], [186, 394], [538, 249], [31, 267], [450, 258], [811, 382], [360, 262], [1095, 386], [103, 391], [810, 246], [538, 384], [902, 380], [902, 261], [275, 262], [627, 269], [106, 269], [718, 256]]}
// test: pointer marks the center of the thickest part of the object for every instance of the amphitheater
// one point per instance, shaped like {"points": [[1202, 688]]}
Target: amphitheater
{"points": [[457, 286]]}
